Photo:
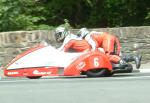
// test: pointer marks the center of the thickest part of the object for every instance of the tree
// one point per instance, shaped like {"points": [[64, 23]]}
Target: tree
{"points": [[47, 14], [21, 15]]}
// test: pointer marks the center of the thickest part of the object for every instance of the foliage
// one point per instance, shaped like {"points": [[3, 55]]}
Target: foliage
{"points": [[21, 15], [47, 14]]}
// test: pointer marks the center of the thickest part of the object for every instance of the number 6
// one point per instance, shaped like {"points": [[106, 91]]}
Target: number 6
{"points": [[96, 62]]}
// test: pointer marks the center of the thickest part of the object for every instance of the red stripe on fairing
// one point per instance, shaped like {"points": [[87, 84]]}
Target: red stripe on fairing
{"points": [[25, 53]]}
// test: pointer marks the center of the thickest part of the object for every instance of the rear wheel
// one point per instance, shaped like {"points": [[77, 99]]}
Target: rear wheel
{"points": [[34, 77], [97, 73], [109, 73], [129, 68]]}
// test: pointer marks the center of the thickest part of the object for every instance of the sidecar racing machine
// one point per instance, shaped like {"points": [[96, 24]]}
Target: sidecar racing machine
{"points": [[48, 61]]}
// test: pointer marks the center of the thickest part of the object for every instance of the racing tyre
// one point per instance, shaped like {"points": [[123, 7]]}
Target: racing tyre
{"points": [[34, 77], [108, 74], [97, 73], [129, 68]]}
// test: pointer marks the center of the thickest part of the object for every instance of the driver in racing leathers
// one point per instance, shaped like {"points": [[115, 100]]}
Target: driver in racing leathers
{"points": [[111, 45], [71, 42]]}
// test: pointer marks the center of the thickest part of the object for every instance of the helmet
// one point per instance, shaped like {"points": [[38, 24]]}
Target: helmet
{"points": [[83, 32], [61, 33]]}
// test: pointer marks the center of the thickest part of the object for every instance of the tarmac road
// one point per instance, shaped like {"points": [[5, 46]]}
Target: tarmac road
{"points": [[121, 88]]}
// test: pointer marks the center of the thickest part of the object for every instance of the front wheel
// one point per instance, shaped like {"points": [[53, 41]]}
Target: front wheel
{"points": [[34, 77], [97, 72]]}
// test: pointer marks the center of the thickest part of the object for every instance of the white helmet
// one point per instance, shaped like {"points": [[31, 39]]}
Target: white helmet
{"points": [[61, 33], [83, 32]]}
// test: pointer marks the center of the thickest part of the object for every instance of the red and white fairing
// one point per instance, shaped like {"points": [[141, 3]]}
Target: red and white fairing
{"points": [[44, 57], [48, 61]]}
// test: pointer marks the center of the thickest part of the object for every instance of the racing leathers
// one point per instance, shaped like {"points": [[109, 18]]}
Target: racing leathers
{"points": [[74, 44], [108, 42], [66, 40], [77, 46]]}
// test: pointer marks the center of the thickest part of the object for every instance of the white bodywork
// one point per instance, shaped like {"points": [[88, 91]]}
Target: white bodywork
{"points": [[45, 57]]}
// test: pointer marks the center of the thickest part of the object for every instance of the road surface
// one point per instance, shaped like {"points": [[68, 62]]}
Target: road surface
{"points": [[121, 88]]}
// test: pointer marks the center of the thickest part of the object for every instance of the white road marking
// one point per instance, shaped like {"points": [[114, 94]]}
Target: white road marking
{"points": [[12, 81], [134, 77], [144, 70]]}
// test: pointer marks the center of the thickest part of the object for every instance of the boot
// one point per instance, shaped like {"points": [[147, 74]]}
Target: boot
{"points": [[128, 58], [131, 58], [138, 61]]}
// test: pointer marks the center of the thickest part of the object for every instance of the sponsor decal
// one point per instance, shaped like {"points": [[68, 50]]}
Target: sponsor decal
{"points": [[12, 73], [81, 65], [41, 73]]}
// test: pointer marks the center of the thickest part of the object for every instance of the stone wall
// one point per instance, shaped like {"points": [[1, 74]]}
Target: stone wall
{"points": [[134, 40]]}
